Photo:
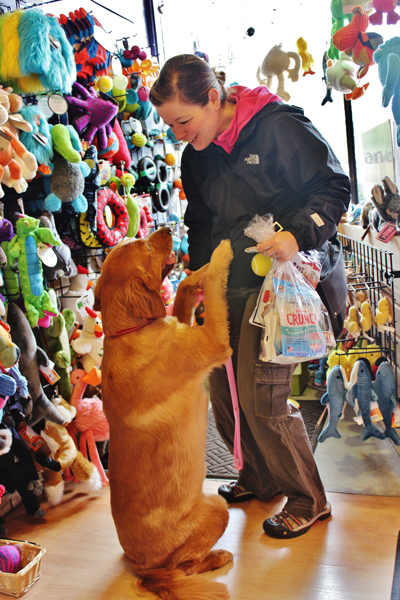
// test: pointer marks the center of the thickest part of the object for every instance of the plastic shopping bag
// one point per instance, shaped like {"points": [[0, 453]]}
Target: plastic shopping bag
{"points": [[296, 325]]}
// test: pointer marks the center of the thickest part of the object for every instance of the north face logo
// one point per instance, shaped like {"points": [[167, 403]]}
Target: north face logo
{"points": [[253, 159]]}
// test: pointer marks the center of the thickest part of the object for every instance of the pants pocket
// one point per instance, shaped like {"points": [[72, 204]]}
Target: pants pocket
{"points": [[272, 388]]}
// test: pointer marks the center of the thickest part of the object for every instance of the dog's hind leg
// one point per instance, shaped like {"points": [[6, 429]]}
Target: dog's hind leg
{"points": [[214, 560]]}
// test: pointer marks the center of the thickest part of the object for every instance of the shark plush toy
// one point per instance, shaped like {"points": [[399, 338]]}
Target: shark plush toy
{"points": [[335, 397], [360, 389], [385, 388]]}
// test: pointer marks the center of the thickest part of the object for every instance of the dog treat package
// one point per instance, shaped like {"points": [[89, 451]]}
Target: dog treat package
{"points": [[296, 325]]}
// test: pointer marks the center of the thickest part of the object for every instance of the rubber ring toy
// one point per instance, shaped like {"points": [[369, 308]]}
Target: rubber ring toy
{"points": [[86, 234], [111, 235], [147, 169], [162, 173], [143, 229], [160, 198]]}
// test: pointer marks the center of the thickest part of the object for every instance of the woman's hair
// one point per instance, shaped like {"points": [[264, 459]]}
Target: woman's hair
{"points": [[189, 79]]}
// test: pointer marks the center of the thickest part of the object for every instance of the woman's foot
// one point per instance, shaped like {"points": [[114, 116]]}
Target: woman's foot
{"points": [[285, 525], [233, 492]]}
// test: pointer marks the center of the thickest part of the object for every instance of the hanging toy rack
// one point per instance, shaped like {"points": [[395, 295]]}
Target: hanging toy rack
{"points": [[372, 269]]}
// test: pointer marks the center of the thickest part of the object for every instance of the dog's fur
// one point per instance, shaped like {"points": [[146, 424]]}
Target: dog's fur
{"points": [[156, 406]]}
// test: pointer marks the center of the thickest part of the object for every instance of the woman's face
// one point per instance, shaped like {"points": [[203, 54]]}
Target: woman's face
{"points": [[197, 125]]}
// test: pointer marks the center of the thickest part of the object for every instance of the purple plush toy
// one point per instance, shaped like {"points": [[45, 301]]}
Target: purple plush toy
{"points": [[98, 114]]}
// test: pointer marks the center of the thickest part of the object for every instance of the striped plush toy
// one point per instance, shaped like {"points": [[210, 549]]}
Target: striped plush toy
{"points": [[35, 55], [10, 558]]}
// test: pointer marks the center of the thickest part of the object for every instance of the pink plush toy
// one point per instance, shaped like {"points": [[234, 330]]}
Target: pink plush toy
{"points": [[384, 6]]}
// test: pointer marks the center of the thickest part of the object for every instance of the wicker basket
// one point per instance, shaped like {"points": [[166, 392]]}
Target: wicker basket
{"points": [[16, 584]]}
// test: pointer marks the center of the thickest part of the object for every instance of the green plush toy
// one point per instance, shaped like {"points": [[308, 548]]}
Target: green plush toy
{"points": [[55, 342], [23, 248]]}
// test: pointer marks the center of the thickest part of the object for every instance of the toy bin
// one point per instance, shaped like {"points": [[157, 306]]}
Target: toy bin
{"points": [[16, 584]]}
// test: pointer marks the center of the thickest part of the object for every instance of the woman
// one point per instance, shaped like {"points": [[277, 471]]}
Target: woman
{"points": [[249, 153]]}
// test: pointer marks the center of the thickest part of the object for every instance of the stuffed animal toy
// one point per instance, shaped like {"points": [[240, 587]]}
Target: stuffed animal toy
{"points": [[384, 387], [98, 114], [31, 357], [276, 63], [64, 265], [384, 6], [387, 57], [65, 453], [10, 169], [23, 247], [38, 139], [55, 342], [307, 60], [89, 346], [11, 277], [358, 44], [339, 19], [351, 322], [365, 316], [18, 473], [341, 77], [335, 398], [328, 95], [386, 201], [67, 179], [382, 314], [360, 389]]}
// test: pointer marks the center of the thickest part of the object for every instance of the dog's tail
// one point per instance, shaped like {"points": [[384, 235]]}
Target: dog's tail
{"points": [[170, 584]]}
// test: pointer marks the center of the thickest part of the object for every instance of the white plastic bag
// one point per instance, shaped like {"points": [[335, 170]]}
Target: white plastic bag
{"points": [[296, 325]]}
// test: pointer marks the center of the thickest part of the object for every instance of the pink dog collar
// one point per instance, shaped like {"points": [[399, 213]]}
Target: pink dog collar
{"points": [[124, 331]]}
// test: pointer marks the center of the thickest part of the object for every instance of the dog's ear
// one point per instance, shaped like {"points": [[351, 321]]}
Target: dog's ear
{"points": [[144, 296], [97, 295]]}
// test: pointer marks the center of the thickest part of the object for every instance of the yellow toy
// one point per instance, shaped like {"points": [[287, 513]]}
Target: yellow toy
{"points": [[336, 357], [351, 323], [366, 318], [361, 297], [382, 315], [307, 60], [374, 352]]}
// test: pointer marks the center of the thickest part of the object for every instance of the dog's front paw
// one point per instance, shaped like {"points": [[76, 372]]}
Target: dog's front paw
{"points": [[222, 255]]}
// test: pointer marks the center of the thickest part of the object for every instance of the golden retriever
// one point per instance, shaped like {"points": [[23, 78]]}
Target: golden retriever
{"points": [[153, 370]]}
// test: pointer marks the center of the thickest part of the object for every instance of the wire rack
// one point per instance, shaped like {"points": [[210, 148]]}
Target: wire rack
{"points": [[371, 268]]}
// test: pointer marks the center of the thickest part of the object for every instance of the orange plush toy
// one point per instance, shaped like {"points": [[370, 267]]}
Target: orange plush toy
{"points": [[10, 169]]}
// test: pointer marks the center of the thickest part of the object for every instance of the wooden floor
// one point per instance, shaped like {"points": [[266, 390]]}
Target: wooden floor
{"points": [[348, 557]]}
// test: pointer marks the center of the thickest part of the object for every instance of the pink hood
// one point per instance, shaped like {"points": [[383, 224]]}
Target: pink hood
{"points": [[248, 103]]}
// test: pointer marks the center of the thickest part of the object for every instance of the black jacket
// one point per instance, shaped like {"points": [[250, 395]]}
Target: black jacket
{"points": [[286, 167]]}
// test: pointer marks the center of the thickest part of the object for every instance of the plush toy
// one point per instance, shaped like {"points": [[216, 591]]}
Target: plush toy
{"points": [[90, 421], [65, 453], [360, 389], [384, 387], [341, 77], [67, 179], [98, 114], [9, 351], [351, 322], [365, 316], [31, 357], [64, 265], [307, 60], [23, 247], [334, 398], [10, 169], [384, 6], [382, 314], [89, 346], [387, 57], [328, 95], [339, 19], [18, 473], [276, 63], [358, 44], [386, 201], [55, 342], [38, 140]]}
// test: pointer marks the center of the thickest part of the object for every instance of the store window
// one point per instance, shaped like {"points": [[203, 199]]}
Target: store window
{"points": [[237, 35]]}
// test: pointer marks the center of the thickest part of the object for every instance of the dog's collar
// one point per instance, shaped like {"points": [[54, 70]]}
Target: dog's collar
{"points": [[130, 329]]}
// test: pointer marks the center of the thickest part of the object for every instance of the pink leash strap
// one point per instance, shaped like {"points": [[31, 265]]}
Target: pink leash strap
{"points": [[237, 448]]}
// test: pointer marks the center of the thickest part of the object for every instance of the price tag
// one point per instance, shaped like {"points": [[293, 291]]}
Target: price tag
{"points": [[46, 255], [386, 233], [31, 437], [49, 373], [58, 104], [44, 107], [5, 140], [86, 300]]}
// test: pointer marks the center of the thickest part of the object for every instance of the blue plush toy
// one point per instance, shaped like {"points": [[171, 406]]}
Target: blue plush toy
{"points": [[361, 390], [384, 387], [387, 57], [335, 397]]}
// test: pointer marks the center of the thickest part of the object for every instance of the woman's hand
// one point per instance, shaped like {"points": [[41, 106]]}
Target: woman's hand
{"points": [[282, 246]]}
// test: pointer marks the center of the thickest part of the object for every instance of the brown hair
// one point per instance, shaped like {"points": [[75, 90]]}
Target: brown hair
{"points": [[188, 78]]}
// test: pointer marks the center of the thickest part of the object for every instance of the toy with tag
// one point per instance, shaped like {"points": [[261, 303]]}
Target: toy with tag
{"points": [[79, 287], [384, 387], [24, 248], [386, 201], [67, 179], [31, 358], [334, 398], [66, 454], [360, 390], [89, 347], [10, 169]]}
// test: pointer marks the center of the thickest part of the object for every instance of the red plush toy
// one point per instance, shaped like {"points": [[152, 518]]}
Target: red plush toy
{"points": [[384, 6]]}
